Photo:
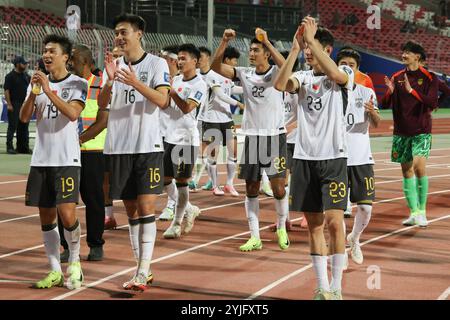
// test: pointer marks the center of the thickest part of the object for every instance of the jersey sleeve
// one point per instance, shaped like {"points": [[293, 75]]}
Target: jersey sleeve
{"points": [[351, 76], [212, 81], [7, 84], [198, 92], [80, 91], [161, 78]]}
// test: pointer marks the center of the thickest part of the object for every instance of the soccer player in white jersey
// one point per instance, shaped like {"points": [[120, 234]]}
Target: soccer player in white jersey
{"points": [[182, 141], [217, 123], [136, 86], [263, 125], [170, 54], [53, 182], [319, 169], [362, 113]]}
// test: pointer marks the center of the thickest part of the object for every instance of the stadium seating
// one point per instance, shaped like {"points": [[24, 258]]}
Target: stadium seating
{"points": [[26, 16], [387, 41]]}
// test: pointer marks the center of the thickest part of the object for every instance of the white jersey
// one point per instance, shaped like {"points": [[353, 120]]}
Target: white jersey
{"points": [[133, 122], [290, 101], [321, 116], [359, 151], [182, 128], [216, 110], [57, 143], [263, 113]]}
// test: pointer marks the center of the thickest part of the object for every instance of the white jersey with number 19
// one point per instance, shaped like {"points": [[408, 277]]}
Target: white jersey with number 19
{"points": [[57, 141], [133, 123]]}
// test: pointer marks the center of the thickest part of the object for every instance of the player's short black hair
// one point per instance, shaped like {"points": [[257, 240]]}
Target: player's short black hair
{"points": [[231, 53], [285, 54], [254, 40], [205, 50], [348, 52], [324, 36], [64, 42], [415, 47], [137, 22], [191, 49]]}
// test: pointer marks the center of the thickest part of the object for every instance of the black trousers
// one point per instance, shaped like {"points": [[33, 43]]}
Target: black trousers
{"points": [[18, 127], [91, 190]]}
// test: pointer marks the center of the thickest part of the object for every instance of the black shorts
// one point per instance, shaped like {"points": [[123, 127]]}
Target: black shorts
{"points": [[179, 160], [136, 174], [266, 153], [361, 183], [218, 132], [290, 154], [317, 186], [107, 163], [50, 186]]}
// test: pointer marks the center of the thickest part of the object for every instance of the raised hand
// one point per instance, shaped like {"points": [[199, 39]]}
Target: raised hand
{"points": [[42, 79], [126, 76], [390, 84], [310, 29], [261, 35], [407, 84], [228, 34], [111, 66]]}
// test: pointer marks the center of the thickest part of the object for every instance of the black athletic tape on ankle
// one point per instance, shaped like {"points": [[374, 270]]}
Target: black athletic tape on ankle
{"points": [[75, 225], [252, 197], [133, 222], [278, 198], [181, 185], [147, 219], [48, 227]]}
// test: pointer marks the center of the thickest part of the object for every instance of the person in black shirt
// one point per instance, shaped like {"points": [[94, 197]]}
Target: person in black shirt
{"points": [[16, 83]]}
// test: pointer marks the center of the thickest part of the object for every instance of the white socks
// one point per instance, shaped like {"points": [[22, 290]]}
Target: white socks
{"points": [[172, 194], [231, 170], [72, 236], [282, 208], [252, 210], [362, 218], [134, 237], [212, 171], [109, 211], [183, 199], [320, 268], [337, 266], [147, 236], [51, 244]]}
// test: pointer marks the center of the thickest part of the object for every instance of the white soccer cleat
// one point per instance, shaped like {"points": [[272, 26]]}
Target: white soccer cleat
{"points": [[167, 214], [355, 250], [191, 214], [218, 192], [411, 221], [421, 220], [173, 232]]}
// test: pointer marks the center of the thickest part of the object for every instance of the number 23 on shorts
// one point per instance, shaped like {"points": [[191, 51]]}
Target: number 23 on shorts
{"points": [[338, 191]]}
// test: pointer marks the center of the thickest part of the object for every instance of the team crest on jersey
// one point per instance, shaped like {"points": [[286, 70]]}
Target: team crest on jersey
{"points": [[316, 86], [65, 93], [347, 69], [198, 95], [327, 84], [359, 103], [419, 82], [143, 76]]}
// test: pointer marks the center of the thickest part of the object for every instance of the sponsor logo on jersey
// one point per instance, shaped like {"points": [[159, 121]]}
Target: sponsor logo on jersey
{"points": [[143, 76], [198, 95], [65, 93]]}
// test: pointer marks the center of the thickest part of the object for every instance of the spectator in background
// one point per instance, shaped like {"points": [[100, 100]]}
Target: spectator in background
{"points": [[73, 24], [16, 83]]}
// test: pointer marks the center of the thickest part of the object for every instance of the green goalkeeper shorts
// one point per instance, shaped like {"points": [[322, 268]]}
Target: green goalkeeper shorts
{"points": [[404, 149]]}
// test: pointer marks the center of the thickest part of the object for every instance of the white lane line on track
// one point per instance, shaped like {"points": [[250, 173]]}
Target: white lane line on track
{"points": [[309, 266], [120, 273]]}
